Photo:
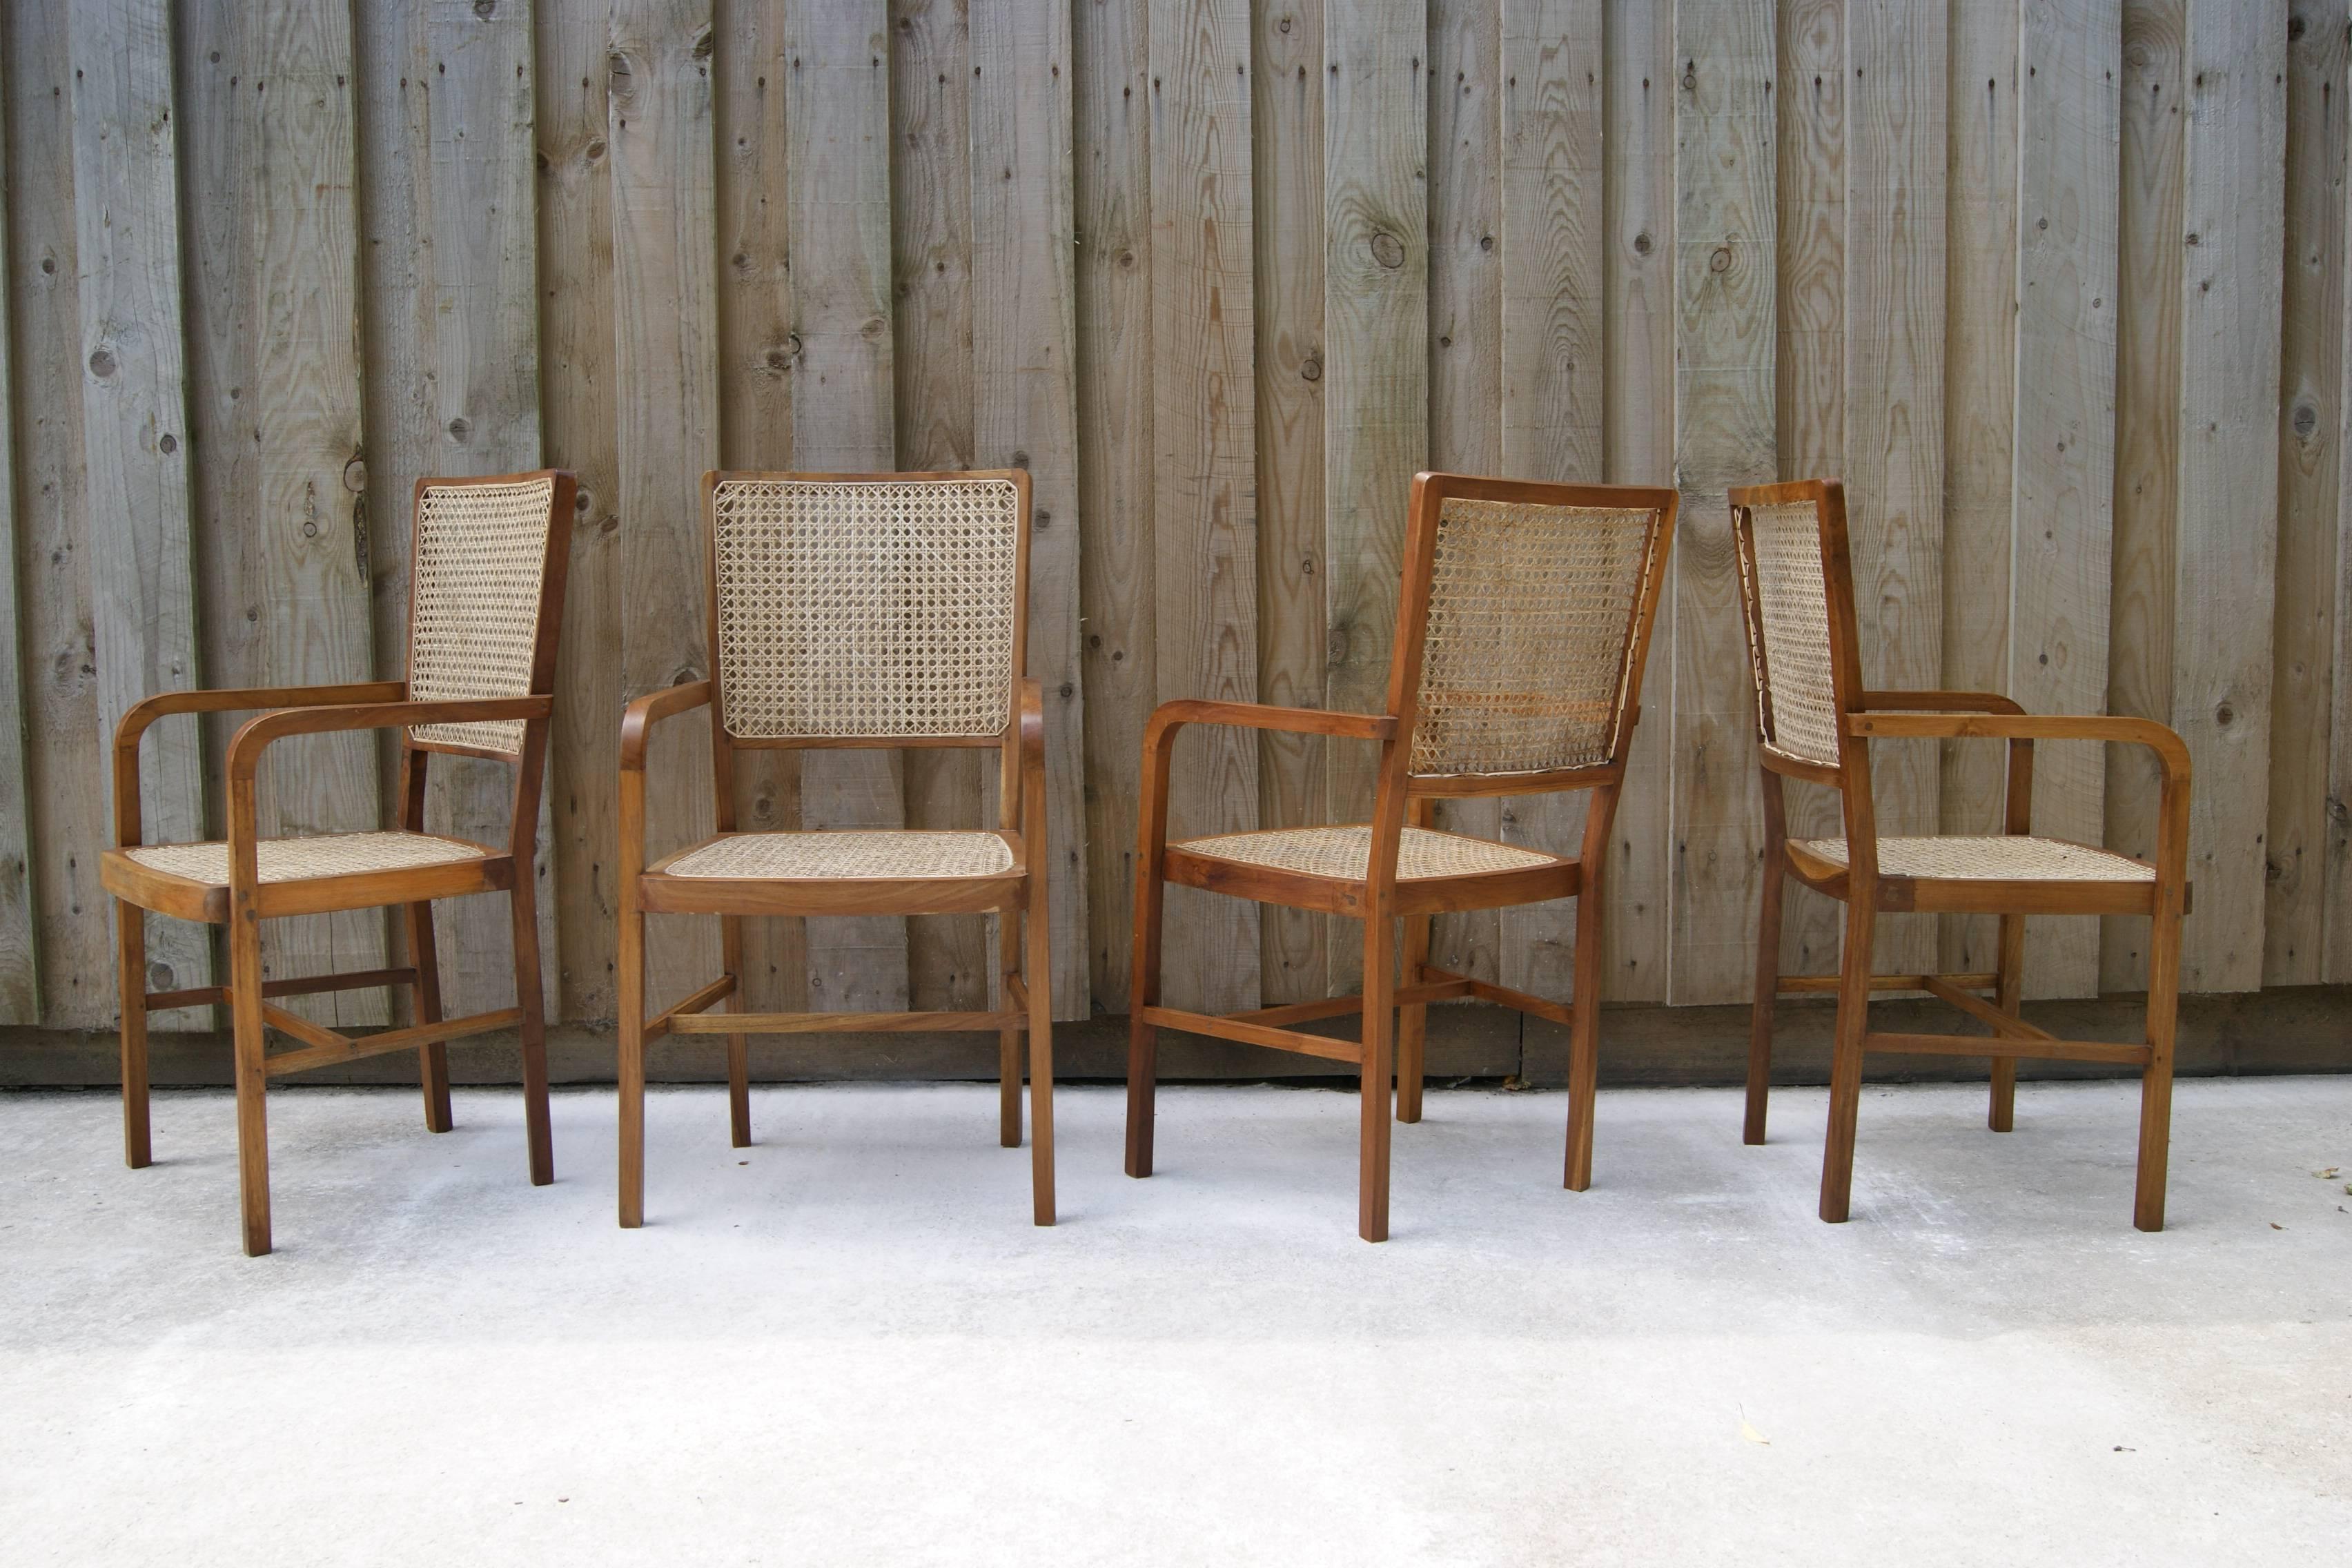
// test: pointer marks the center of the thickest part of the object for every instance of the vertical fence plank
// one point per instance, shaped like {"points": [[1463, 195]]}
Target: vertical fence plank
{"points": [[1810, 354], [1376, 377], [2234, 169], [134, 417], [69, 818], [1723, 387], [1024, 353], [2148, 421], [2337, 963], [1115, 475], [1553, 357], [20, 986], [1895, 52], [665, 275], [1980, 400], [579, 423], [2311, 388], [1205, 513], [1639, 411], [750, 69], [1467, 256], [837, 179], [1287, 180], [936, 80]]}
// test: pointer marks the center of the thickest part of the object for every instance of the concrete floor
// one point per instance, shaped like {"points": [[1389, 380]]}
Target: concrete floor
{"points": [[848, 1345]]}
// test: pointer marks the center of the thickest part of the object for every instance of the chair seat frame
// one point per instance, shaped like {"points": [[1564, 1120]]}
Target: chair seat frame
{"points": [[244, 901], [1024, 1017], [1394, 1005], [1866, 716]]}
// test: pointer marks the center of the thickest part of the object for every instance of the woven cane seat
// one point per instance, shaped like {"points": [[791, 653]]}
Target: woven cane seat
{"points": [[1984, 873], [191, 881], [844, 855], [1325, 868], [303, 859]]}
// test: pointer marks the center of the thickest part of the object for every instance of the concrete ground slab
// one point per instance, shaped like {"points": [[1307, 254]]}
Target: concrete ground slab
{"points": [[848, 1345]]}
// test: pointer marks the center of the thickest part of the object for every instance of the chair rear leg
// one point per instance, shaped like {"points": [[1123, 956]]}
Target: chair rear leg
{"points": [[2155, 1082], [1413, 1022], [130, 981], [1143, 1038], [1008, 1041], [1373, 1133], [631, 967], [252, 1080], [432, 1060], [1767, 989], [738, 1046], [1584, 1046], [523, 909], [2009, 988], [1038, 975], [1845, 1066]]}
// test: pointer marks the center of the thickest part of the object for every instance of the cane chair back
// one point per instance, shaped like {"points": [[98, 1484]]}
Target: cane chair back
{"points": [[1793, 571], [882, 608], [1534, 619], [483, 602]]}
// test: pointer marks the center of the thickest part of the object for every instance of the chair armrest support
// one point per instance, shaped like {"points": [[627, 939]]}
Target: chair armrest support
{"points": [[641, 716], [1937, 702], [133, 727], [259, 734], [1171, 717]]}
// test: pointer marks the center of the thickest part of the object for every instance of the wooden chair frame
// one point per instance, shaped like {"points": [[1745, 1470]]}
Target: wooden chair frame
{"points": [[1863, 716], [1025, 968], [245, 902], [1379, 900]]}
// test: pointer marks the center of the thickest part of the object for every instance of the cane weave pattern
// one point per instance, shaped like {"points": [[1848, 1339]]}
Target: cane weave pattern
{"points": [[303, 859], [844, 855], [481, 553], [2009, 858], [1345, 853], [1531, 619], [1796, 694], [880, 608]]}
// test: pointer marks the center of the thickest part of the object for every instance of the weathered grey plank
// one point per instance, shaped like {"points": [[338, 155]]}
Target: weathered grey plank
{"points": [[20, 983], [134, 417]]}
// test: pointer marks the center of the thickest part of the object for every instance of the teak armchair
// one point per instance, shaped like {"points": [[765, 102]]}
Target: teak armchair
{"points": [[487, 564], [1523, 621], [852, 611], [1815, 723]]}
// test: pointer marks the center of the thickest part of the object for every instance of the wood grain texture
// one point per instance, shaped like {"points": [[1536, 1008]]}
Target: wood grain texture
{"points": [[135, 425], [1203, 431], [578, 425], [1286, 182], [2150, 258], [2297, 900], [1980, 403], [1376, 368], [20, 984], [837, 179], [1725, 240], [63, 754], [934, 81], [1024, 353], [1553, 355], [1895, 170], [1467, 415], [1809, 364], [666, 333], [2233, 169], [1112, 184], [1639, 413]]}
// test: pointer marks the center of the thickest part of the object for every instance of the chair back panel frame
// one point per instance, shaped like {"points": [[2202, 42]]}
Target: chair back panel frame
{"points": [[530, 761]]}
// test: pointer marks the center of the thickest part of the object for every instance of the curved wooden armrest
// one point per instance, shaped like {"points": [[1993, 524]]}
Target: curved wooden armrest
{"points": [[2171, 753], [133, 727], [258, 733], [646, 711], [1937, 702], [1171, 717]]}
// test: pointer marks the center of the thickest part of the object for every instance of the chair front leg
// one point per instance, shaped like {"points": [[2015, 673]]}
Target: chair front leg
{"points": [[1846, 1063], [2009, 987], [630, 966], [1584, 1043], [130, 984], [1038, 975], [1767, 963], [1413, 1022], [1372, 1133], [2155, 1081], [532, 1002], [252, 1076], [1008, 1041], [738, 1046], [432, 1060]]}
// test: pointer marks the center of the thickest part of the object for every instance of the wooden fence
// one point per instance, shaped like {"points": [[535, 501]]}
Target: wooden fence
{"points": [[2056, 286]]}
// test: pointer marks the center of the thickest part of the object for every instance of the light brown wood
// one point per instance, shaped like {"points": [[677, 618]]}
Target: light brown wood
{"points": [[1389, 1043], [1864, 716]]}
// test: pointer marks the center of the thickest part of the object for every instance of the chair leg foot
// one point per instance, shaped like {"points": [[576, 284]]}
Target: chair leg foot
{"points": [[1142, 1094], [130, 965]]}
